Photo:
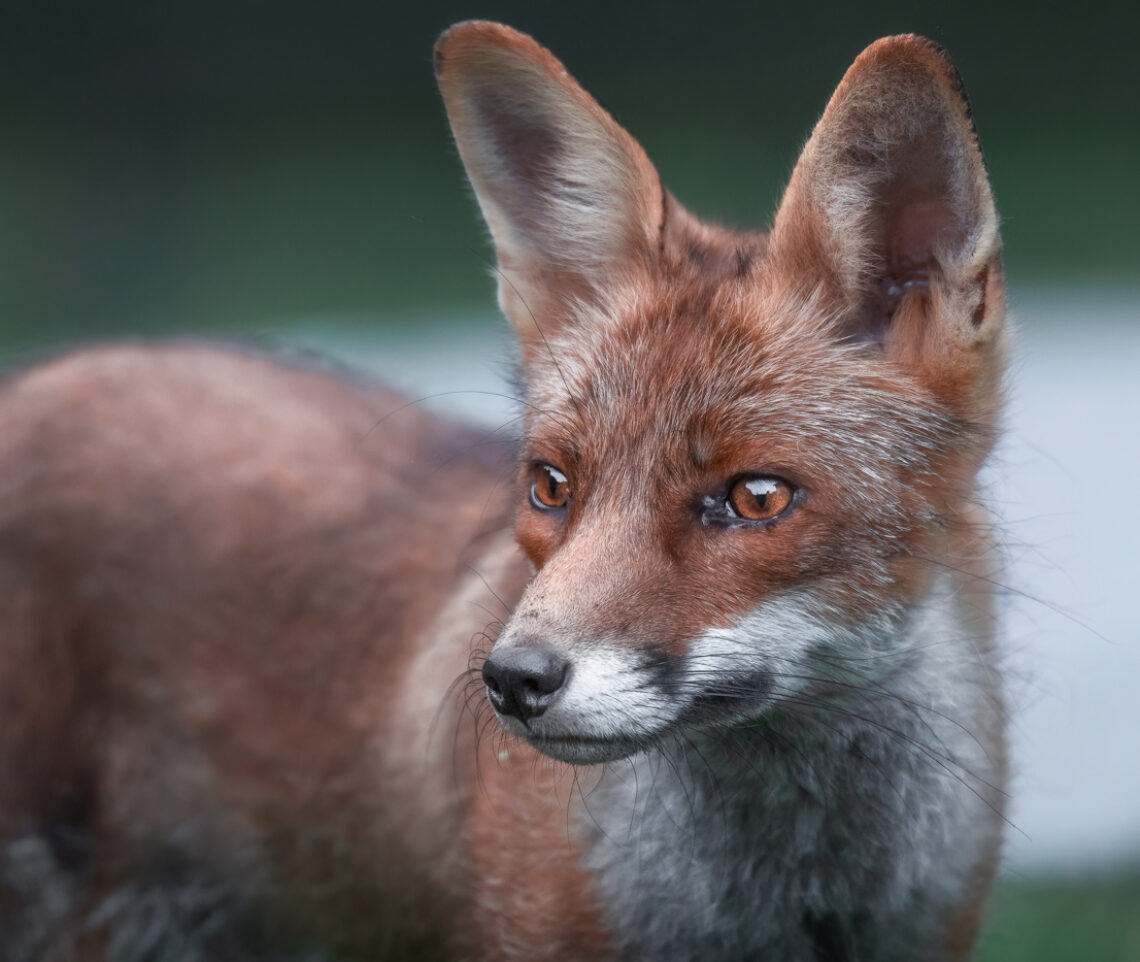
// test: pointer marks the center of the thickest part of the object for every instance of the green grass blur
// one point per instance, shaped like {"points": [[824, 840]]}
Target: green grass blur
{"points": [[1069, 920], [242, 219], [199, 167]]}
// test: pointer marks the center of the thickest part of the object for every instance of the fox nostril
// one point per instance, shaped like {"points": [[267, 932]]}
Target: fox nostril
{"points": [[524, 681]]}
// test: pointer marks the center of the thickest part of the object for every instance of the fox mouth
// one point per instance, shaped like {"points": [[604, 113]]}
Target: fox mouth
{"points": [[586, 750], [563, 744]]}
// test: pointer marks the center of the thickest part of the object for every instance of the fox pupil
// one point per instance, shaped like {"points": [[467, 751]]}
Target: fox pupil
{"points": [[761, 491]]}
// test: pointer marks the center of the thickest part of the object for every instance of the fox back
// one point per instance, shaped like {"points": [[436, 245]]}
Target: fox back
{"points": [[290, 669]]}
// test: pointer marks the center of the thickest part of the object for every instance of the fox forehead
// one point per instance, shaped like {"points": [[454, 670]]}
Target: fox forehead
{"points": [[724, 380]]}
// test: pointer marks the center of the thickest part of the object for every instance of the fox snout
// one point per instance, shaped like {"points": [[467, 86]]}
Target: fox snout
{"points": [[577, 691], [524, 680]]}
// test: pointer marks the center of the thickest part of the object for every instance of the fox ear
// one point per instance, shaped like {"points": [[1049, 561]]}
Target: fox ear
{"points": [[567, 194], [889, 207]]}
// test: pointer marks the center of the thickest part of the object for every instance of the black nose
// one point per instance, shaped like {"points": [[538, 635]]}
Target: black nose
{"points": [[524, 680]]}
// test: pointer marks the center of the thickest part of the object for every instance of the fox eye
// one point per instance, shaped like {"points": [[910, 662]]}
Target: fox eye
{"points": [[549, 488], [759, 498]]}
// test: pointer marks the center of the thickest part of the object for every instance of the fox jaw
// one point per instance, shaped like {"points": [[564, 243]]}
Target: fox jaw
{"points": [[745, 457]]}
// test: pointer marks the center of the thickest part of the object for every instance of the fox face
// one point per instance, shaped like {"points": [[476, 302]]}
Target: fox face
{"points": [[745, 457], [697, 554]]}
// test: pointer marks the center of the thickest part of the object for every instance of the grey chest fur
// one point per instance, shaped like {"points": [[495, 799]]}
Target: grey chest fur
{"points": [[835, 842]]}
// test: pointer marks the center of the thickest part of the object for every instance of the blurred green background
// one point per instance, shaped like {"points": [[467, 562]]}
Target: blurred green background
{"points": [[201, 166], [211, 165]]}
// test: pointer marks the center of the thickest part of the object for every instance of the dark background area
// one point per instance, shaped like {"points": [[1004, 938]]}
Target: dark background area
{"points": [[215, 166]]}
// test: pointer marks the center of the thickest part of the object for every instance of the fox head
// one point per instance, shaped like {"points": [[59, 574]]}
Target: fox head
{"points": [[744, 455]]}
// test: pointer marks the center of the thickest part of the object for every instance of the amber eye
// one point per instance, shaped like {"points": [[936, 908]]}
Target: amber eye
{"points": [[759, 498], [549, 488]]}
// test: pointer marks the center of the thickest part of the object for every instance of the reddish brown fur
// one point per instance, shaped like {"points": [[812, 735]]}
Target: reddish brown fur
{"points": [[209, 523], [531, 907]]}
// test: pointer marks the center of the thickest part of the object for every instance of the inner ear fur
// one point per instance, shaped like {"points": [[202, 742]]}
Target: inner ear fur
{"points": [[569, 197], [889, 207]]}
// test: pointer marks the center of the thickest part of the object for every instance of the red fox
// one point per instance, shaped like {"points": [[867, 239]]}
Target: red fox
{"points": [[264, 628]]}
